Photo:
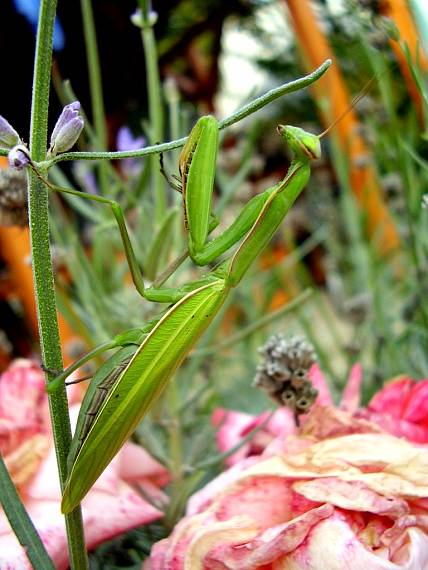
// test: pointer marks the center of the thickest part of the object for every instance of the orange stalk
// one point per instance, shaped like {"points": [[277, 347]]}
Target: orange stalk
{"points": [[316, 49], [399, 12]]}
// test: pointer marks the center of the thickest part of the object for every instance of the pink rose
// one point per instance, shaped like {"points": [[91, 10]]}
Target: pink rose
{"points": [[340, 493], [111, 507], [401, 408], [353, 501]]}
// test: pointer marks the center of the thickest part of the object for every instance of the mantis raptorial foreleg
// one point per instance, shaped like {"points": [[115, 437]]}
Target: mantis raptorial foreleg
{"points": [[197, 169], [197, 166]]}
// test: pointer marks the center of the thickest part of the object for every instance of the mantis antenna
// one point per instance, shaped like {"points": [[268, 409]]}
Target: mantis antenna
{"points": [[351, 106]]}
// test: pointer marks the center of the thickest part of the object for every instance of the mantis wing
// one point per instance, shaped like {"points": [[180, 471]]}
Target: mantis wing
{"points": [[104, 377], [197, 166], [138, 387]]}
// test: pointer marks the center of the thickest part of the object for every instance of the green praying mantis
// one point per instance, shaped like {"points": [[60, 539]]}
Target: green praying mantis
{"points": [[128, 383]]}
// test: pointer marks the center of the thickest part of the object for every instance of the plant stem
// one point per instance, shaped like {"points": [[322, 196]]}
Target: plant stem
{"points": [[173, 101], [42, 268], [248, 109], [154, 92], [95, 83], [21, 523]]}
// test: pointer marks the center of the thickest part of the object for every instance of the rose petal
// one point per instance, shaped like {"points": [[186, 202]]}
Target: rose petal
{"points": [[353, 496], [229, 434], [135, 464], [267, 500], [203, 498], [416, 408], [393, 397], [319, 382], [234, 426], [333, 545], [270, 545], [23, 404], [352, 392], [323, 422], [399, 428]]}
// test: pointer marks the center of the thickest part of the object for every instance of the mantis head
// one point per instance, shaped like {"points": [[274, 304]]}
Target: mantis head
{"points": [[302, 143]]}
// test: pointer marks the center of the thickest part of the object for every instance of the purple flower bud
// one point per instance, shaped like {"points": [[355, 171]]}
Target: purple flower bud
{"points": [[69, 112], [8, 136], [67, 129], [18, 157]]}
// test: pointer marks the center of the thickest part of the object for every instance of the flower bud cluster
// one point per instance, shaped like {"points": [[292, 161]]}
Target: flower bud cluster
{"points": [[65, 134]]}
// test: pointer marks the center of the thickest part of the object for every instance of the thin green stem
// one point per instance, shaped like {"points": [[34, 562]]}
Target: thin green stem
{"points": [[175, 438], [227, 122], [173, 101], [21, 523], [154, 92], [95, 85], [42, 268]]}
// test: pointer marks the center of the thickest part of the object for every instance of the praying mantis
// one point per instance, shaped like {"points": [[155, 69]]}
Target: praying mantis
{"points": [[128, 383]]}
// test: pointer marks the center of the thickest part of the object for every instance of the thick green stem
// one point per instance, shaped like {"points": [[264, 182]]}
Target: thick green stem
{"points": [[42, 268], [95, 84], [154, 93]]}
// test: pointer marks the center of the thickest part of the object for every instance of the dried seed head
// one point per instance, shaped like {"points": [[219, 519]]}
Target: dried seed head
{"points": [[13, 198], [283, 374]]}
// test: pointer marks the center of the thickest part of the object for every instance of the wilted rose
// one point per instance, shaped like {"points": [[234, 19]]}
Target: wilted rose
{"points": [[341, 493]]}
